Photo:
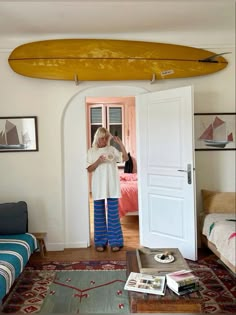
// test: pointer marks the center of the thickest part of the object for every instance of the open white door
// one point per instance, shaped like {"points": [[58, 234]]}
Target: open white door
{"points": [[165, 157]]}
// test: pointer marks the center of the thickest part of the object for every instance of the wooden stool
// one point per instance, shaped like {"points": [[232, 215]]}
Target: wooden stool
{"points": [[42, 246]]}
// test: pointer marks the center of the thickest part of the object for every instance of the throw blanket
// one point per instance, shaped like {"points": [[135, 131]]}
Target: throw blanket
{"points": [[220, 229], [15, 251]]}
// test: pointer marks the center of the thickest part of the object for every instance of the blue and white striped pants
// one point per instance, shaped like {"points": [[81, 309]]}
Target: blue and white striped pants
{"points": [[107, 231]]}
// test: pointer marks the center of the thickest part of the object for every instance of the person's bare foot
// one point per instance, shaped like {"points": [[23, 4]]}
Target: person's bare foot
{"points": [[100, 248]]}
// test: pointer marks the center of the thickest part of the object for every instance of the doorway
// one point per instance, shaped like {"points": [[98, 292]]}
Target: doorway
{"points": [[117, 114], [76, 185]]}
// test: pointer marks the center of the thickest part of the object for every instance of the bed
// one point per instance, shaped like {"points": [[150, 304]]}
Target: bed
{"points": [[16, 244], [128, 202], [219, 225]]}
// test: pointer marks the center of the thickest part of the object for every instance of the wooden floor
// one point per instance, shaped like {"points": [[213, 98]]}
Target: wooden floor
{"points": [[130, 227]]}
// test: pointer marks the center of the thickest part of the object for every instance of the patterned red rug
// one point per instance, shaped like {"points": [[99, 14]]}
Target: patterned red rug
{"points": [[70, 288], [217, 284]]}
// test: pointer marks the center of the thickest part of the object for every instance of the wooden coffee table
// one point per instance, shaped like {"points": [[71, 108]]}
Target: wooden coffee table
{"points": [[150, 303]]}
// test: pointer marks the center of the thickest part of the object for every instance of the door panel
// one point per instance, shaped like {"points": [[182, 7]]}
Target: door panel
{"points": [[165, 148]]}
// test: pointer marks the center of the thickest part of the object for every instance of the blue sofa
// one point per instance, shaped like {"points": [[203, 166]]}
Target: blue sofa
{"points": [[16, 244]]}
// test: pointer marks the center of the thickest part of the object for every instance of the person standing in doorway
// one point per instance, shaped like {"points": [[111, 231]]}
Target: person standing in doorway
{"points": [[102, 159]]}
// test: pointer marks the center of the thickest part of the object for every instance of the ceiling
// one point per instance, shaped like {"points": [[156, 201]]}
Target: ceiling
{"points": [[88, 18]]}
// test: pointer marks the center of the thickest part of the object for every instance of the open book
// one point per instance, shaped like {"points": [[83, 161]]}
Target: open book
{"points": [[146, 283], [181, 278]]}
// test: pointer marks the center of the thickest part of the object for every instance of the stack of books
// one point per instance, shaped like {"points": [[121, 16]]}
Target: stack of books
{"points": [[182, 282], [145, 283]]}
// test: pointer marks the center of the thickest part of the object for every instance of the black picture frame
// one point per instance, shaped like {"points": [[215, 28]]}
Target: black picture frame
{"points": [[215, 131], [18, 134]]}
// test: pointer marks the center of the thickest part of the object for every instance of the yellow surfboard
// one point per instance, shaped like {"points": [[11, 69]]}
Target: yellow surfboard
{"points": [[105, 60]]}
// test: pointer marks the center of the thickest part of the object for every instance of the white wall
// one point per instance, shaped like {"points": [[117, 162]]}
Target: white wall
{"points": [[38, 177]]}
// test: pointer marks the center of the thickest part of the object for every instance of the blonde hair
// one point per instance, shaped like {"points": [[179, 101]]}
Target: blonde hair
{"points": [[101, 132]]}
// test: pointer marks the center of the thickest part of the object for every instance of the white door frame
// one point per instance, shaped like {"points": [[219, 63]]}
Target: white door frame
{"points": [[76, 195]]}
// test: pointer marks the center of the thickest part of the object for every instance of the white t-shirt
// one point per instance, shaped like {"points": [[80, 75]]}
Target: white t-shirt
{"points": [[105, 178]]}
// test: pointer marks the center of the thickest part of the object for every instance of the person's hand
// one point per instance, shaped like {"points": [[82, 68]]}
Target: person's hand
{"points": [[122, 147], [102, 159], [117, 139]]}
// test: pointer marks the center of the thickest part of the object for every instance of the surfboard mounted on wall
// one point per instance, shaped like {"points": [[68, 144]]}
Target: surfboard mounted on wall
{"points": [[107, 60]]}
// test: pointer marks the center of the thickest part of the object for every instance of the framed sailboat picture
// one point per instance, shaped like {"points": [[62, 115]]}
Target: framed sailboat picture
{"points": [[215, 131], [18, 134]]}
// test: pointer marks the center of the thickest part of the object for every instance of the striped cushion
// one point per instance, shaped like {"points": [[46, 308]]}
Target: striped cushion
{"points": [[15, 251]]}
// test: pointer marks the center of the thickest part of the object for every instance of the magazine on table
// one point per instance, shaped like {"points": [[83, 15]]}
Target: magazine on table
{"points": [[145, 283]]}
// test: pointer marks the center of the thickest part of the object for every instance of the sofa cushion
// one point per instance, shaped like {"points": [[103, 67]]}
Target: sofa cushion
{"points": [[218, 202], [13, 218]]}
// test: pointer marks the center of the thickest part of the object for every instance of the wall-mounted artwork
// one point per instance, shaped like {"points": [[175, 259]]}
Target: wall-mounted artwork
{"points": [[18, 134], [215, 131]]}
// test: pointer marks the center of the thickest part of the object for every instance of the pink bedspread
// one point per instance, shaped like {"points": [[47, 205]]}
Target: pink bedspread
{"points": [[129, 193]]}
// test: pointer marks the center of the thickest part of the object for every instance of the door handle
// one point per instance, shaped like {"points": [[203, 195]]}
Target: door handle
{"points": [[189, 173]]}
